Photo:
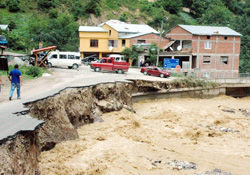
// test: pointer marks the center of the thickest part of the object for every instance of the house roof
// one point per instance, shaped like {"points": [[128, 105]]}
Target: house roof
{"points": [[91, 29], [3, 27], [135, 35], [129, 28], [210, 30]]}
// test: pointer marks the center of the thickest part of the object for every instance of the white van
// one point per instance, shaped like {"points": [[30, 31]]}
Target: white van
{"points": [[118, 58], [64, 59]]}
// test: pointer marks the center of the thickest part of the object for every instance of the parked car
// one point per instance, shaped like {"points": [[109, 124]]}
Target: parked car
{"points": [[155, 71], [64, 59], [109, 64], [89, 60]]}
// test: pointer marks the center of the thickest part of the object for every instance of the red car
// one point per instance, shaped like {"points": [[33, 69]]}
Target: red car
{"points": [[156, 71], [109, 64]]}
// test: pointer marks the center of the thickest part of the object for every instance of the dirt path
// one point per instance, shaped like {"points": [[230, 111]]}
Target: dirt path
{"points": [[162, 131]]}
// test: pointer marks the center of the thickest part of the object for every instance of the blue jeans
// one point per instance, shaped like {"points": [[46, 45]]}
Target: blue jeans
{"points": [[13, 87]]}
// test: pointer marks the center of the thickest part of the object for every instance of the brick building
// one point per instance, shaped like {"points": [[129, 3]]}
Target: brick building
{"points": [[207, 51]]}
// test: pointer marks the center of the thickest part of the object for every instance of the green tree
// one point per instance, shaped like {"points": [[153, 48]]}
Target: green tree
{"points": [[63, 32], [45, 4], [13, 5], [152, 53], [216, 15], [171, 6], [91, 7]]}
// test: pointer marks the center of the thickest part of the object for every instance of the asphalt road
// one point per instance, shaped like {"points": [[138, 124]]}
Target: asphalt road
{"points": [[45, 86]]}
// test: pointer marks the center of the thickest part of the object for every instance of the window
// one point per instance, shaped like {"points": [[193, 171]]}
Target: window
{"points": [[208, 45], [206, 59], [113, 43], [155, 69], [208, 37], [225, 37], [77, 57], [93, 43], [141, 41], [54, 56], [109, 32], [186, 44], [123, 43], [109, 61], [71, 57], [104, 61], [62, 56], [224, 59]]}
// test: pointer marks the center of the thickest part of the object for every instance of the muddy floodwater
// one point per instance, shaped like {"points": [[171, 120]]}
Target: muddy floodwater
{"points": [[168, 137]]}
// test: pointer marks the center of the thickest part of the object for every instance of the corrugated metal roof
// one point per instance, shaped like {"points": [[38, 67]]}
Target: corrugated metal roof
{"points": [[129, 28], [3, 27], [210, 30], [135, 35], [91, 29], [168, 45]]}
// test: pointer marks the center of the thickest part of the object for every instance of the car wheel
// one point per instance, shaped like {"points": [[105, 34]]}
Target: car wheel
{"points": [[162, 75], [49, 65], [145, 73], [75, 66], [120, 71], [97, 69]]}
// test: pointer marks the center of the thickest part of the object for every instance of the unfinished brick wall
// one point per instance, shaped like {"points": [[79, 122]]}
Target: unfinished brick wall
{"points": [[221, 46], [150, 38]]}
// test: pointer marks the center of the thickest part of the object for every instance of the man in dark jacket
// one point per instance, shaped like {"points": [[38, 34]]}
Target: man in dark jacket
{"points": [[15, 76]]}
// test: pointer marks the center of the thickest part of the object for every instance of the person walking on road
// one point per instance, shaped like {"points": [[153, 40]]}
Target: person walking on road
{"points": [[15, 76], [1, 82]]}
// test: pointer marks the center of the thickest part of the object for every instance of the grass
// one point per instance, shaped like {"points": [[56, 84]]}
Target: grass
{"points": [[28, 72], [193, 82]]}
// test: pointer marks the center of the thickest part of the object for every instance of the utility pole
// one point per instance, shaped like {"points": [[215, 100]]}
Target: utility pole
{"points": [[157, 60]]}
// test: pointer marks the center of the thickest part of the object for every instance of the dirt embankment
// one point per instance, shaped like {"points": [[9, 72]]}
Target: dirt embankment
{"points": [[75, 107]]}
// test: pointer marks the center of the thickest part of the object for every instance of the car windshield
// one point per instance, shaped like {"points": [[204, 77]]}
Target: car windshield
{"points": [[159, 69]]}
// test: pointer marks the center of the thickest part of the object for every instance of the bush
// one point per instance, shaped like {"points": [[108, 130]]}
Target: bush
{"points": [[45, 4], [2, 5], [33, 71], [13, 6]]}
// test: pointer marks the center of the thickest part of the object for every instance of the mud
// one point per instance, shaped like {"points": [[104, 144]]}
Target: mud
{"points": [[19, 155], [162, 137]]}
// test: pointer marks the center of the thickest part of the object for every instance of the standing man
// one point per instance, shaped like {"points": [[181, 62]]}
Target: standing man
{"points": [[15, 77], [1, 82]]}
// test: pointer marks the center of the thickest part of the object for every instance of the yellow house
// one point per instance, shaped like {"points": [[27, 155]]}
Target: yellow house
{"points": [[109, 37]]}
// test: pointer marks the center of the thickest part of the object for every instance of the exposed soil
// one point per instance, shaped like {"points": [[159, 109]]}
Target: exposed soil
{"points": [[159, 134]]}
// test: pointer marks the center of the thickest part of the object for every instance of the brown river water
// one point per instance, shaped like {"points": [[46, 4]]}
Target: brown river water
{"points": [[157, 136]]}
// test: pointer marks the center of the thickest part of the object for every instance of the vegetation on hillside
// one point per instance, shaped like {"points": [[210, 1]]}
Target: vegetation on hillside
{"points": [[56, 22]]}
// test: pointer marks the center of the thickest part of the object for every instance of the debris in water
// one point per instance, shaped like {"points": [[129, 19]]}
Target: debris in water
{"points": [[214, 172], [245, 112], [182, 165]]}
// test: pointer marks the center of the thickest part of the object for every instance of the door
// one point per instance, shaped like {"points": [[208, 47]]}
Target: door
{"points": [[71, 60], [62, 60], [54, 60], [155, 72], [109, 66]]}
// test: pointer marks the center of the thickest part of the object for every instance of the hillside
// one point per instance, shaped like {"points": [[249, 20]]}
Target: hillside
{"points": [[56, 22]]}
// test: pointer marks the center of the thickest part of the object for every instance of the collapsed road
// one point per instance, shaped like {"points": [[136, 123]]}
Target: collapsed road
{"points": [[38, 123]]}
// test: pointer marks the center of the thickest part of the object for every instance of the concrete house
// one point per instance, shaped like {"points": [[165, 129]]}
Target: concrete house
{"points": [[208, 51], [114, 36]]}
